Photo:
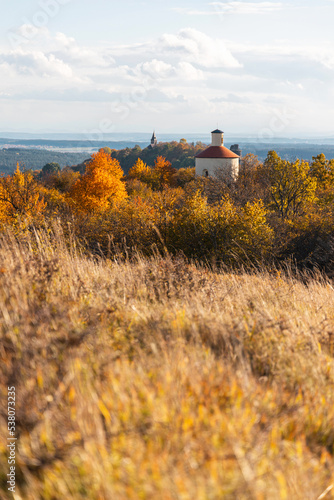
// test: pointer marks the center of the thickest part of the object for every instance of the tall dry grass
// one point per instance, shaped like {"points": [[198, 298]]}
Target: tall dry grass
{"points": [[157, 379]]}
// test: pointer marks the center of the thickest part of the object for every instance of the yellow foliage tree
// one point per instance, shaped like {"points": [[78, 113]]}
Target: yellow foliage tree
{"points": [[20, 196], [291, 185], [222, 230], [100, 186], [140, 171]]}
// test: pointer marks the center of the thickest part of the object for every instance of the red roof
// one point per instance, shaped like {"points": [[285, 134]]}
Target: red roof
{"points": [[217, 152]]}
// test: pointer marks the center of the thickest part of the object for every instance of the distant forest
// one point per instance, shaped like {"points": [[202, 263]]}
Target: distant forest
{"points": [[35, 159]]}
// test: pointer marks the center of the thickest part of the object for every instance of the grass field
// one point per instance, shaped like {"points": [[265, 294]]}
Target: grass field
{"points": [[160, 379]]}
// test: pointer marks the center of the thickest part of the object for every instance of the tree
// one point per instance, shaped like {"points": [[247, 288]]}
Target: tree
{"points": [[163, 172], [61, 181], [106, 150], [222, 231], [20, 195], [100, 186], [291, 185], [158, 177], [323, 171], [141, 171], [252, 182], [51, 168], [185, 175]]}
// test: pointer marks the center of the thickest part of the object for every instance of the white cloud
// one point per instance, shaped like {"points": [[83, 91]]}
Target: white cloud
{"points": [[160, 70], [36, 64], [247, 7], [293, 85], [287, 52], [196, 47], [155, 69], [234, 7], [234, 98], [60, 45], [186, 73]]}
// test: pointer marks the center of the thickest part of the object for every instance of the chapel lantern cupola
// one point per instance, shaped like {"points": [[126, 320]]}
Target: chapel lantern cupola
{"points": [[217, 138]]}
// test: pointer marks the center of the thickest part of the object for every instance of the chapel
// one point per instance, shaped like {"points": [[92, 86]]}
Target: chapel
{"points": [[218, 158]]}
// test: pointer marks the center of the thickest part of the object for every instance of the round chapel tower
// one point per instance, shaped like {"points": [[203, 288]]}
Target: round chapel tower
{"points": [[217, 158]]}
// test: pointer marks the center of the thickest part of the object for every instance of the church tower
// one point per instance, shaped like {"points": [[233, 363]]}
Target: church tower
{"points": [[154, 141]]}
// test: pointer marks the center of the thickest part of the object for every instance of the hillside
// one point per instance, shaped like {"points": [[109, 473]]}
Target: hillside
{"points": [[160, 379], [35, 159]]}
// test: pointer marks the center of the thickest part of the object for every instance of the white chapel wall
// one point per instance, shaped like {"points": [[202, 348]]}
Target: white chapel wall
{"points": [[230, 166]]}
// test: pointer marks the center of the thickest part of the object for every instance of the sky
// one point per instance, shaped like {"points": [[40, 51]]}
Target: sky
{"points": [[258, 68]]}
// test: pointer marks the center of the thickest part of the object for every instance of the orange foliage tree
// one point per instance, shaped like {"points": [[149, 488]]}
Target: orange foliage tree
{"points": [[164, 173], [100, 186], [20, 196], [158, 177]]}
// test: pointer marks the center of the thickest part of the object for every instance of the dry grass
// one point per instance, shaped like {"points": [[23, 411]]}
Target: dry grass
{"points": [[157, 379]]}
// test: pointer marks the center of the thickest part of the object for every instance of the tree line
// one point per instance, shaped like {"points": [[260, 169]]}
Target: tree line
{"points": [[276, 210]]}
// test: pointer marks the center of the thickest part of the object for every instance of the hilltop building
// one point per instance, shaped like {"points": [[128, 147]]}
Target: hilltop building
{"points": [[235, 149], [217, 157], [154, 141]]}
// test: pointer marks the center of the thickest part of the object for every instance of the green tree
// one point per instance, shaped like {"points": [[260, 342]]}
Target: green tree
{"points": [[51, 168], [106, 150]]}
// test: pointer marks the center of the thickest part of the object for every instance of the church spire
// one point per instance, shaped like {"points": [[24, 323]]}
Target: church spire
{"points": [[154, 141]]}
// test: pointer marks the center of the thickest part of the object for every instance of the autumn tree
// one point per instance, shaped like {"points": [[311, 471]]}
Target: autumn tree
{"points": [[158, 177], [185, 175], [166, 204], [222, 230], [141, 171], [322, 170], [291, 185], [61, 181], [163, 172], [252, 182], [20, 196], [136, 188], [100, 186]]}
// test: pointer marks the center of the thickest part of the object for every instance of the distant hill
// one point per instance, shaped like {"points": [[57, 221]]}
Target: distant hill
{"points": [[35, 159], [288, 151], [68, 144]]}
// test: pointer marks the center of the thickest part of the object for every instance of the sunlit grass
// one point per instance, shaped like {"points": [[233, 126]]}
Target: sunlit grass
{"points": [[158, 379]]}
